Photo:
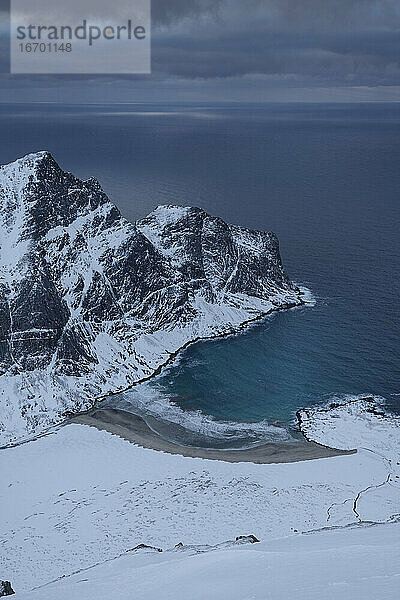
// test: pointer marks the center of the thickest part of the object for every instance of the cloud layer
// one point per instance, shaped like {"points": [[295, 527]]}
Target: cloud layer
{"points": [[338, 41], [262, 45]]}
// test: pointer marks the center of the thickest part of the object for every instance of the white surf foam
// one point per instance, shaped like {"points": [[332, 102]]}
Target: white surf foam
{"points": [[149, 401], [307, 295]]}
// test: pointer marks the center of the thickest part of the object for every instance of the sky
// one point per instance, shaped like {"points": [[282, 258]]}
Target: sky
{"points": [[242, 51]]}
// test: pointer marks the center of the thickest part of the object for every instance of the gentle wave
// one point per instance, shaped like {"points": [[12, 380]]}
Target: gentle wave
{"points": [[193, 427]]}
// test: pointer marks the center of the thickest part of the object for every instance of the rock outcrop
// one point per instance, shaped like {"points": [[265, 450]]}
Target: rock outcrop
{"points": [[6, 589]]}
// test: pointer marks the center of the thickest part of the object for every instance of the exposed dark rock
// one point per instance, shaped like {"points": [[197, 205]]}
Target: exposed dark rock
{"points": [[251, 539], [6, 589], [144, 547]]}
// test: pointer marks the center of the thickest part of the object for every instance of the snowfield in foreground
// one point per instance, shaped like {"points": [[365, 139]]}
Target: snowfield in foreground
{"points": [[358, 564], [80, 497]]}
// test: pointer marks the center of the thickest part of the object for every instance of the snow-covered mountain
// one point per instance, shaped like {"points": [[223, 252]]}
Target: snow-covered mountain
{"points": [[91, 303]]}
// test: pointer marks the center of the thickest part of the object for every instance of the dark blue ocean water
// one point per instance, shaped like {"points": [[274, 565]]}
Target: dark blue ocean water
{"points": [[325, 178]]}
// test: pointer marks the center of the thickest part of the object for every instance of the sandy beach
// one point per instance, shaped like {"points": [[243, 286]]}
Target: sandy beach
{"points": [[134, 429]]}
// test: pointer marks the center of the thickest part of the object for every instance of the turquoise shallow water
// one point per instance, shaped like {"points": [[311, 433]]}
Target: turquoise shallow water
{"points": [[325, 178]]}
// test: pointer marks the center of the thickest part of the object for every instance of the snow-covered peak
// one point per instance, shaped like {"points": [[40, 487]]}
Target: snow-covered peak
{"points": [[16, 181], [29, 161], [17, 175], [169, 227], [165, 214], [33, 158], [25, 167]]}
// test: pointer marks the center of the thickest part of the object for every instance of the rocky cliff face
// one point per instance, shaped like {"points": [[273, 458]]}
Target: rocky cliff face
{"points": [[90, 303]]}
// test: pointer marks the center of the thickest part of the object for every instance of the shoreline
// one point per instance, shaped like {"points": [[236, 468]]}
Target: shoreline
{"points": [[134, 429], [92, 405], [236, 330]]}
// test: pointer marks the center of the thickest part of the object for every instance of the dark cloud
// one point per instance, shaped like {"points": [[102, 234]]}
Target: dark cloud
{"points": [[337, 40], [167, 12], [267, 44], [283, 14]]}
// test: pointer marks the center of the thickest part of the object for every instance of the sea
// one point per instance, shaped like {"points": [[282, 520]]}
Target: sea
{"points": [[324, 177]]}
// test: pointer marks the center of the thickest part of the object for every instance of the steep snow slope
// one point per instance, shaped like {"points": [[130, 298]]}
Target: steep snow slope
{"points": [[90, 303], [358, 563]]}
